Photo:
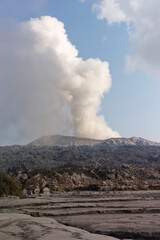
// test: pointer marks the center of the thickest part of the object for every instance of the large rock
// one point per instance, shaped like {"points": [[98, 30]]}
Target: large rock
{"points": [[46, 191]]}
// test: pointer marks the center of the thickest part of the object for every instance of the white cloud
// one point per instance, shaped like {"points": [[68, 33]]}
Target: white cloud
{"points": [[45, 87], [143, 20]]}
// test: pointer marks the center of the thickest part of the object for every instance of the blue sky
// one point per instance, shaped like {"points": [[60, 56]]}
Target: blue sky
{"points": [[132, 105]]}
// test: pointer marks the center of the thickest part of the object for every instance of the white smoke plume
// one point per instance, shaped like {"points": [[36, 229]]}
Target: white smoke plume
{"points": [[45, 88], [143, 20]]}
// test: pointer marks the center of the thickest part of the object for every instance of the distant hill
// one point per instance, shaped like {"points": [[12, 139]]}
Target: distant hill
{"points": [[65, 141], [53, 151], [134, 141]]}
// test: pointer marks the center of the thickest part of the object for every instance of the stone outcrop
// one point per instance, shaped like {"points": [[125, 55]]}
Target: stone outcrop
{"points": [[87, 178]]}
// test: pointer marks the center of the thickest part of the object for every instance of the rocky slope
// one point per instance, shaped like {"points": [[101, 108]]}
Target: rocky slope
{"points": [[89, 178], [134, 141], [65, 141], [119, 151]]}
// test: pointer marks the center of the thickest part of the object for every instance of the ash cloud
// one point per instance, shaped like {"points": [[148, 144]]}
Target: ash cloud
{"points": [[46, 88]]}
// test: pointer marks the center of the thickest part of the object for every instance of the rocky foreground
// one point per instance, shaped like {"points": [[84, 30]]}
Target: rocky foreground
{"points": [[20, 226], [110, 188], [102, 216], [88, 178]]}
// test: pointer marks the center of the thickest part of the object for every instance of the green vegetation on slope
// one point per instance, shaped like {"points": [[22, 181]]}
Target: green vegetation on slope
{"points": [[8, 186]]}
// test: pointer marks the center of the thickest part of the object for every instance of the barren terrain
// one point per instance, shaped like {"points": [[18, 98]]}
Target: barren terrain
{"points": [[123, 215]]}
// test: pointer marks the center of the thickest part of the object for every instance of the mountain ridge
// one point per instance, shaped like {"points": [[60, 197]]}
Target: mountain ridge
{"points": [[61, 140], [110, 152]]}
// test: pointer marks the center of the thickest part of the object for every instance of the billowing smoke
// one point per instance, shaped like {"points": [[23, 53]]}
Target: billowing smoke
{"points": [[45, 88]]}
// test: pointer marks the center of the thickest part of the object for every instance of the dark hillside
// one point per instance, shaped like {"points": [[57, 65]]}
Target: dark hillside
{"points": [[109, 152]]}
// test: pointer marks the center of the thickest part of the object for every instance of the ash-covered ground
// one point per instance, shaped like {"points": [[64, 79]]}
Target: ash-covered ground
{"points": [[82, 215]]}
